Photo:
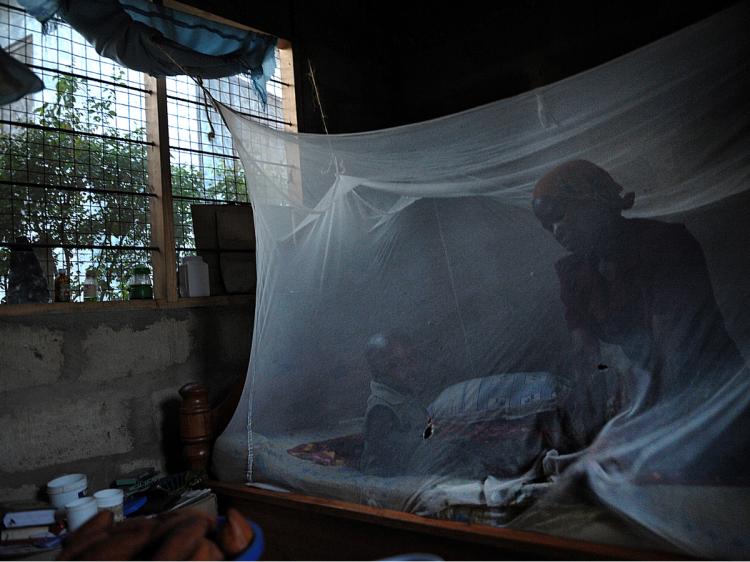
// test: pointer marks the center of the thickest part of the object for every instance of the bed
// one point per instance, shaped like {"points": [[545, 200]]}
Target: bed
{"points": [[308, 512]]}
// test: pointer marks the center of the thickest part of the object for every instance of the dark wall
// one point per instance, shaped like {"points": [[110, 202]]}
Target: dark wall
{"points": [[380, 64], [95, 390]]}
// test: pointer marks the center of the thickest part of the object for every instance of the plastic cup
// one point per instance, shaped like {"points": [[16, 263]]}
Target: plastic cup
{"points": [[112, 500], [79, 511], [64, 489]]}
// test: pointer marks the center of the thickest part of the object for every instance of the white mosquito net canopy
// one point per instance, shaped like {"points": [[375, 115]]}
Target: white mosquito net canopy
{"points": [[534, 313]]}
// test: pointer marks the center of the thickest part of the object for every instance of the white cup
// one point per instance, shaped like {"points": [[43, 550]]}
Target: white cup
{"points": [[112, 500], [79, 511], [64, 489]]}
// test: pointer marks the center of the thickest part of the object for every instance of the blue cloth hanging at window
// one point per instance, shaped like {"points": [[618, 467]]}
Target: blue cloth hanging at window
{"points": [[164, 42], [42, 10]]}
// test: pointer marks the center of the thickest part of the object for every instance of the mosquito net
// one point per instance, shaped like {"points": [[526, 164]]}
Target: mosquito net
{"points": [[533, 313]]}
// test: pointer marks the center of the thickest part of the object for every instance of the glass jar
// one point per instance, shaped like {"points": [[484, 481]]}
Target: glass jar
{"points": [[62, 286], [90, 286], [140, 283]]}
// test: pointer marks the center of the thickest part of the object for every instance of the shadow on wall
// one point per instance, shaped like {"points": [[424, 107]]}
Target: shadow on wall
{"points": [[171, 447], [723, 233]]}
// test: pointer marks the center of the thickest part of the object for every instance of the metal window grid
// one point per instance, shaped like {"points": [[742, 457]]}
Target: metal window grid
{"points": [[73, 169], [73, 174], [204, 164]]}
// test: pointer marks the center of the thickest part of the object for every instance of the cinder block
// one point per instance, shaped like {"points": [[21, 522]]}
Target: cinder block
{"points": [[57, 433], [26, 492], [110, 354], [234, 337], [138, 464], [29, 357]]}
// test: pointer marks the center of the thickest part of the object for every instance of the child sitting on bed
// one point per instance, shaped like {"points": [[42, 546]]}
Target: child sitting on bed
{"points": [[397, 440], [395, 418]]}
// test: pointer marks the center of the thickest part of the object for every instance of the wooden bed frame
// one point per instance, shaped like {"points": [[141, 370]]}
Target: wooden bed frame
{"points": [[301, 527]]}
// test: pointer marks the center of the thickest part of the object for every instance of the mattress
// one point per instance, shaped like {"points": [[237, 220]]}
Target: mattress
{"points": [[435, 496], [509, 503]]}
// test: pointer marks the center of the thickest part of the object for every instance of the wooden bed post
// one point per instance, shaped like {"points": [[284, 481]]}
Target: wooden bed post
{"points": [[201, 423], [196, 427]]}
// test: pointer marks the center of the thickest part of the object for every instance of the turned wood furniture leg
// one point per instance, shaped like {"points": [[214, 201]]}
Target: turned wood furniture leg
{"points": [[196, 428]]}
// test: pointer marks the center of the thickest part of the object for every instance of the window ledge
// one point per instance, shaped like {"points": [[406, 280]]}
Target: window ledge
{"points": [[156, 304]]}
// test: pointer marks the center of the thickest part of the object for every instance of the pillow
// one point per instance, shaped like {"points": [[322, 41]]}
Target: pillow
{"points": [[504, 396], [499, 424]]}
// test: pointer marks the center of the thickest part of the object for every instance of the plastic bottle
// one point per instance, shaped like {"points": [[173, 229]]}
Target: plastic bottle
{"points": [[62, 286], [140, 283], [90, 286], [194, 277]]}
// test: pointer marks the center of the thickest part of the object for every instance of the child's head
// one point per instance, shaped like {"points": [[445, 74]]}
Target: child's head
{"points": [[394, 360]]}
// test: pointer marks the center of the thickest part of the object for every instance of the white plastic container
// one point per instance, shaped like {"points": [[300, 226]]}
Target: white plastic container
{"points": [[112, 500], [64, 489], [79, 511], [194, 277]]}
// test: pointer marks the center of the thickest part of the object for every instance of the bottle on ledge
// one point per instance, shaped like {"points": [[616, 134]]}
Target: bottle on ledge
{"points": [[62, 286], [90, 286]]}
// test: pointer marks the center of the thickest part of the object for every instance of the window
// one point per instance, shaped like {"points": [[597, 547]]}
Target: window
{"points": [[207, 170], [83, 173]]}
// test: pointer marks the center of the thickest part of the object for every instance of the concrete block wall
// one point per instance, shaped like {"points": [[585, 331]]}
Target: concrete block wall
{"points": [[96, 392]]}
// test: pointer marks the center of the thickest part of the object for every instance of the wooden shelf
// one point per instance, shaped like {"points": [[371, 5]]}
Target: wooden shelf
{"points": [[156, 304]]}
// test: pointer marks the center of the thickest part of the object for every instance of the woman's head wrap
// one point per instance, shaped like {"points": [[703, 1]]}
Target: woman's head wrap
{"points": [[584, 181]]}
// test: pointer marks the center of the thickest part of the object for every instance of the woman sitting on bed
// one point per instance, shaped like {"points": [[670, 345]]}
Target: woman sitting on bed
{"points": [[641, 284]]}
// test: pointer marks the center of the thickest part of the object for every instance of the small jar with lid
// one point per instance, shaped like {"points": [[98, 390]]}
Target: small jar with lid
{"points": [[140, 287]]}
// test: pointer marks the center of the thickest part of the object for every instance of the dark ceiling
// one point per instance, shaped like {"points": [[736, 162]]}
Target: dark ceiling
{"points": [[380, 64]]}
